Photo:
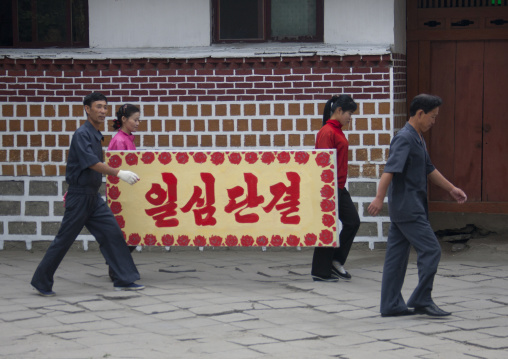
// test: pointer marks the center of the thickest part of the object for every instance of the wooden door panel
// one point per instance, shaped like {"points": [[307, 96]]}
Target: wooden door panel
{"points": [[412, 72], [495, 122], [441, 137], [469, 142], [424, 66], [468, 119]]}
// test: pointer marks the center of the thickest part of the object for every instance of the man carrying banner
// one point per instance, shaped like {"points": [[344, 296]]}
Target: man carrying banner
{"points": [[84, 206]]}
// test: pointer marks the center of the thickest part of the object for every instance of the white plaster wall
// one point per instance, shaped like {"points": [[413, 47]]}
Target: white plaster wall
{"points": [[186, 23], [365, 22], [149, 23]]}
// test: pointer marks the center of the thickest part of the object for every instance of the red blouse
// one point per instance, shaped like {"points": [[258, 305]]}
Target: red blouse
{"points": [[331, 136]]}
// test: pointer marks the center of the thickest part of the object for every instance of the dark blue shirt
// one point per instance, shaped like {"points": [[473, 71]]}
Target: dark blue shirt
{"points": [[410, 164], [85, 151]]}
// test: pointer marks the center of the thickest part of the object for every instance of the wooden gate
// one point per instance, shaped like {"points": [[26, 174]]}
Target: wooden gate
{"points": [[458, 49]]}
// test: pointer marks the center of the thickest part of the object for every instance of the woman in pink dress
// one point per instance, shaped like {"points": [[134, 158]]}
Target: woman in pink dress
{"points": [[126, 122]]}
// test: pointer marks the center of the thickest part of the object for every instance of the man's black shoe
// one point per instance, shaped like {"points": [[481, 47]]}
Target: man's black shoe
{"points": [[316, 278], [44, 293], [432, 310], [400, 314]]}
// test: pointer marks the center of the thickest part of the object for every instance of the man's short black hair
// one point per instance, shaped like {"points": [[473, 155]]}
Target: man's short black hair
{"points": [[424, 102], [94, 96]]}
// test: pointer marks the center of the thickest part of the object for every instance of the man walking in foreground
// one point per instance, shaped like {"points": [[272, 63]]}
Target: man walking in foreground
{"points": [[405, 177]]}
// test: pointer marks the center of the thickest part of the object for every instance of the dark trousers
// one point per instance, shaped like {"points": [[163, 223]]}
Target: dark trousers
{"points": [[323, 256], [401, 237], [111, 273], [87, 210]]}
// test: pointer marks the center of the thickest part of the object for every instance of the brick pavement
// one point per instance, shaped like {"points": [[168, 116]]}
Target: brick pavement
{"points": [[244, 303]]}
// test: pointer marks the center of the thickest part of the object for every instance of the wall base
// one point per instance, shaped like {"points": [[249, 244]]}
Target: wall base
{"points": [[447, 220]]}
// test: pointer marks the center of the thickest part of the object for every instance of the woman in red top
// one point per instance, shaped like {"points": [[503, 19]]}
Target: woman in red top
{"points": [[328, 263]]}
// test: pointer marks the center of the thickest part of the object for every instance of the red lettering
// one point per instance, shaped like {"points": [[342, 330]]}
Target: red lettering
{"points": [[290, 201], [251, 200], [165, 202], [203, 215]]}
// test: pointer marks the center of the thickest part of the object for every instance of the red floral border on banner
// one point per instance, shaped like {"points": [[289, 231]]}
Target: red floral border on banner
{"points": [[218, 158]]}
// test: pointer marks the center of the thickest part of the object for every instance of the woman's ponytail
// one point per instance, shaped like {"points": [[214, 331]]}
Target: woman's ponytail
{"points": [[345, 102]]}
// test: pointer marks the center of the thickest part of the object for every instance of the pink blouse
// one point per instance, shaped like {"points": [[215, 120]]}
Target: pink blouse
{"points": [[122, 141]]}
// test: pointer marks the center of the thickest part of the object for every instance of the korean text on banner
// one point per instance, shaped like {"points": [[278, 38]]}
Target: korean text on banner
{"points": [[226, 198]]}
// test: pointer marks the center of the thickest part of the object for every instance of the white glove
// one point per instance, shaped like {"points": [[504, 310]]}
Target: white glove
{"points": [[128, 176]]}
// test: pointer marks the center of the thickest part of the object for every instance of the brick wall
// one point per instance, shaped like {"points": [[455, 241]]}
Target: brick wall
{"points": [[399, 91], [185, 104]]}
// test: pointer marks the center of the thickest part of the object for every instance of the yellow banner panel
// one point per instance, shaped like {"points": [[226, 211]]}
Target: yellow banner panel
{"points": [[226, 198]]}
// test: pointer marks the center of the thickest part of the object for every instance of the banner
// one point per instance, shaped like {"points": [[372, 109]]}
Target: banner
{"points": [[226, 198]]}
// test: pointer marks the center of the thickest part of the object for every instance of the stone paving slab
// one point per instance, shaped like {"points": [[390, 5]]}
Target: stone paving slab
{"points": [[244, 303]]}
